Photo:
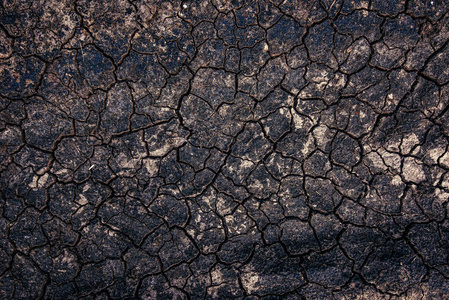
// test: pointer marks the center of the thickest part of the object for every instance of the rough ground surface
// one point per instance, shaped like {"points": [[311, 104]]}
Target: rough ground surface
{"points": [[224, 149]]}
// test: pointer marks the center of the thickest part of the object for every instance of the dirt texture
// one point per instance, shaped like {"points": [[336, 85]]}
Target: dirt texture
{"points": [[217, 149]]}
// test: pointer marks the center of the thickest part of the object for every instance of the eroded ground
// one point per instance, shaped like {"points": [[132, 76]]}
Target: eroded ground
{"points": [[224, 149]]}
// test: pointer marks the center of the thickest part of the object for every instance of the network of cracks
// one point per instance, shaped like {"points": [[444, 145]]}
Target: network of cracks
{"points": [[224, 149]]}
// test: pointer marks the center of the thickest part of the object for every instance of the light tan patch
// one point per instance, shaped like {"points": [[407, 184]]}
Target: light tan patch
{"points": [[251, 282], [409, 142], [413, 171]]}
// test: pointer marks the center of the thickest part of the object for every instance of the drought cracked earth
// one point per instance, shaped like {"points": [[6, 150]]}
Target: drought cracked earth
{"points": [[212, 149]]}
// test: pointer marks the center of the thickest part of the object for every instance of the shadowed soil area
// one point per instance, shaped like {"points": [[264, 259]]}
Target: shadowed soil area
{"points": [[216, 149]]}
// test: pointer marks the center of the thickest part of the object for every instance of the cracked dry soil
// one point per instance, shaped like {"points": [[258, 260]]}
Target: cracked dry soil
{"points": [[224, 149]]}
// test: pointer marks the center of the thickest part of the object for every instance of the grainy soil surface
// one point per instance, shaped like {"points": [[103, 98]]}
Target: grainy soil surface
{"points": [[218, 149]]}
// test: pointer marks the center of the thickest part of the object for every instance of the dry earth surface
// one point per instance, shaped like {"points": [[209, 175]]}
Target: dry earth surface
{"points": [[224, 149]]}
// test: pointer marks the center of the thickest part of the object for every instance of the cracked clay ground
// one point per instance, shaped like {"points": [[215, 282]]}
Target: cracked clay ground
{"points": [[215, 149]]}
